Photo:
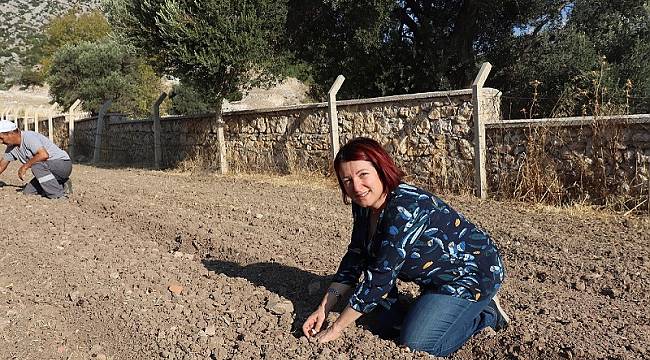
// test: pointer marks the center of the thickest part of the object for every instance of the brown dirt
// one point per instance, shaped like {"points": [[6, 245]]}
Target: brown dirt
{"points": [[143, 264]]}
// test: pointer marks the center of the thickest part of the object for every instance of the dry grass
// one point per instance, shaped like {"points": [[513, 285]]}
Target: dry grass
{"points": [[574, 166], [310, 180]]}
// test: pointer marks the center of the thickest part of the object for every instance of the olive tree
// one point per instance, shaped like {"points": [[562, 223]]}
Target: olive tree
{"points": [[215, 46], [97, 71]]}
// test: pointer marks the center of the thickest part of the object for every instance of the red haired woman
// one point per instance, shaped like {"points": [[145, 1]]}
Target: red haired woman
{"points": [[403, 232]]}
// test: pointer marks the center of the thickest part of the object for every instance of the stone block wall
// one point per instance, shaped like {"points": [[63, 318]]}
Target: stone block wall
{"points": [[430, 136], [595, 160]]}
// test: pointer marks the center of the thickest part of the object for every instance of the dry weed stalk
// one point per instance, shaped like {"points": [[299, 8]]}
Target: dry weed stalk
{"points": [[569, 165]]}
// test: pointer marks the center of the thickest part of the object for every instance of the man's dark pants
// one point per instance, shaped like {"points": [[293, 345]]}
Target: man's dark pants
{"points": [[49, 177]]}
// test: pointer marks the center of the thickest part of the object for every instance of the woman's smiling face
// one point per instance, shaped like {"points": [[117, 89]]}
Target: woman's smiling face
{"points": [[362, 183]]}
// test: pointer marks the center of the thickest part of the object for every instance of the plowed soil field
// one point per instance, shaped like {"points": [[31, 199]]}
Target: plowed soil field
{"points": [[142, 264]]}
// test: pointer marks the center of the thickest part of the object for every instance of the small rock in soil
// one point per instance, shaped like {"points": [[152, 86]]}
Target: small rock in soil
{"points": [[609, 292], [210, 330], [580, 286], [279, 307], [74, 296], [175, 288]]}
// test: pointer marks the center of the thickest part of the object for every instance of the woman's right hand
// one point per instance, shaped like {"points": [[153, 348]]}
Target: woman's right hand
{"points": [[314, 322]]}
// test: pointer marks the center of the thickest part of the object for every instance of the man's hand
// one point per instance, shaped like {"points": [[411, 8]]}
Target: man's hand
{"points": [[41, 155], [22, 171]]}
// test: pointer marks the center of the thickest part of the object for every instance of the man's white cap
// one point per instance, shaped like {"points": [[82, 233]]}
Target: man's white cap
{"points": [[6, 126]]}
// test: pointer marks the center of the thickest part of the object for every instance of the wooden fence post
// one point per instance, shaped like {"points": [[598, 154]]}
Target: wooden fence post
{"points": [[25, 120], [50, 123], [333, 117], [71, 119], [155, 116], [15, 114], [480, 176], [100, 130], [221, 139], [36, 113]]}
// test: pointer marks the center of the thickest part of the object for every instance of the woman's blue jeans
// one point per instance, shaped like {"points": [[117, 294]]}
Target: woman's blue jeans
{"points": [[435, 323]]}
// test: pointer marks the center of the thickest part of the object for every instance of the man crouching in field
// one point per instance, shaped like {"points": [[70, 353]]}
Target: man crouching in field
{"points": [[50, 165]]}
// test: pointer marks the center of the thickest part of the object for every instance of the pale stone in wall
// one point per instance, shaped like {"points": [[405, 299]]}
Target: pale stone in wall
{"points": [[345, 125], [448, 111], [466, 149], [442, 126], [462, 128], [465, 110], [399, 144], [383, 126], [260, 125], [369, 124], [423, 126], [310, 125], [434, 114], [399, 124], [246, 128], [280, 125]]}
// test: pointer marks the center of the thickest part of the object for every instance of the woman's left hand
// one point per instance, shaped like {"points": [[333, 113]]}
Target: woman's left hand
{"points": [[329, 334]]}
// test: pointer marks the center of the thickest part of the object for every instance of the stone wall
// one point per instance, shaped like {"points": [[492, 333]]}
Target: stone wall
{"points": [[596, 160], [430, 136]]}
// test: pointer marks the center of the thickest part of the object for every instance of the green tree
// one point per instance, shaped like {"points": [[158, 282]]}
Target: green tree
{"points": [[582, 61], [387, 47], [70, 28], [216, 46], [186, 100], [97, 71], [74, 28]]}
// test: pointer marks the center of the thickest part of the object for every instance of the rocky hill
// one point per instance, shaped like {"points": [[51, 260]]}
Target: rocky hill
{"points": [[22, 20]]}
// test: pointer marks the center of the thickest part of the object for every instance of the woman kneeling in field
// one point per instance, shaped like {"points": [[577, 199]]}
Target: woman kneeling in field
{"points": [[401, 231]]}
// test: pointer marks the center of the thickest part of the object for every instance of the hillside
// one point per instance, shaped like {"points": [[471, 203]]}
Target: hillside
{"points": [[21, 22]]}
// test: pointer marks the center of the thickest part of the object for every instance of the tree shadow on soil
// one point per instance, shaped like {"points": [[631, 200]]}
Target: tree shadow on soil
{"points": [[289, 282]]}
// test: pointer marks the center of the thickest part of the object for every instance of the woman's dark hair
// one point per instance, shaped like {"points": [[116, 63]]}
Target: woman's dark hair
{"points": [[367, 149]]}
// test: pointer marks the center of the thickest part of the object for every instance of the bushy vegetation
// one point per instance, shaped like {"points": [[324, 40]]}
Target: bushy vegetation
{"points": [[213, 45], [597, 44], [387, 47], [543, 52], [77, 57], [72, 28], [97, 71]]}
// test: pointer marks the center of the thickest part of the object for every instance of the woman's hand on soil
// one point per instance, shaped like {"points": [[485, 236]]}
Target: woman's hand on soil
{"points": [[329, 334], [314, 322]]}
